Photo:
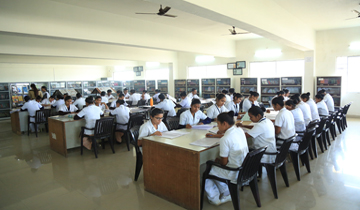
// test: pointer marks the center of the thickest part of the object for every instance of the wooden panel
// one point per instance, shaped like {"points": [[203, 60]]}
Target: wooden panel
{"points": [[172, 173], [15, 123], [57, 136]]}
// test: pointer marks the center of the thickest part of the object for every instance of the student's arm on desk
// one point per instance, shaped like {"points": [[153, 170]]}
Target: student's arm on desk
{"points": [[63, 113], [157, 133], [76, 117], [212, 135]]}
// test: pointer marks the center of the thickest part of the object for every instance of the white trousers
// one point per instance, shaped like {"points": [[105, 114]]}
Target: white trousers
{"points": [[214, 189]]}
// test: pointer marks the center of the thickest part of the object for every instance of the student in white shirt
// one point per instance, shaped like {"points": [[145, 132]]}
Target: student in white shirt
{"points": [[233, 150], [284, 121], [156, 96], [46, 94], [91, 113], [305, 108], [134, 97], [153, 127], [322, 108], [31, 106], [60, 101], [121, 97], [278, 94], [313, 108], [262, 134], [185, 102], [48, 101], [100, 104], [298, 115], [250, 101], [193, 116], [145, 96], [80, 101], [235, 104], [109, 95], [228, 98], [214, 110], [122, 114], [104, 99], [167, 105], [328, 99], [286, 94], [126, 93], [231, 93], [68, 107], [193, 94], [38, 99]]}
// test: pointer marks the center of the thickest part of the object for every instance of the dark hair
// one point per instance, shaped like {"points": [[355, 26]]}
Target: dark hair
{"points": [[125, 89], [253, 93], [33, 87], [285, 90], [226, 117], [156, 111], [290, 103], [67, 98], [161, 96], [66, 94], [119, 91], [44, 88], [255, 110], [195, 101], [305, 96], [224, 91], [295, 98], [280, 93], [26, 98], [278, 100], [144, 91], [220, 96], [319, 96], [182, 94], [97, 97], [157, 90], [38, 98], [192, 90], [132, 91], [52, 97], [121, 95], [60, 97], [322, 91], [120, 102], [238, 95], [232, 90], [78, 95], [89, 100], [103, 93], [109, 91]]}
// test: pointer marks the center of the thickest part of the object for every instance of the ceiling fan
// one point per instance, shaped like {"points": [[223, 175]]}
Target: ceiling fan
{"points": [[233, 31], [357, 12], [162, 12]]}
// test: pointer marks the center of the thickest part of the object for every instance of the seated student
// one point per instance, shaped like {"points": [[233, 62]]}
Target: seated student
{"points": [[122, 114], [278, 94], [34, 92], [185, 102], [228, 98], [286, 94], [118, 93], [134, 97], [231, 93], [31, 106], [126, 93], [284, 121], [313, 108], [109, 95], [214, 110], [193, 116], [305, 108], [233, 150], [167, 105], [38, 99], [100, 104], [262, 134], [80, 101], [60, 101], [250, 101], [193, 94], [68, 107], [235, 104], [298, 115], [156, 96], [145, 96], [154, 126], [48, 101], [322, 107], [45, 92], [91, 113], [328, 99], [121, 97], [104, 99]]}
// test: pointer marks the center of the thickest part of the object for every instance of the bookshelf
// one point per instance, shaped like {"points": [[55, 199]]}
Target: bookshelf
{"points": [[180, 86], [151, 86], [293, 84], [88, 88], [117, 85], [208, 88], [193, 83], [139, 86], [163, 86], [18, 91], [269, 88], [56, 86], [5, 102], [76, 85], [332, 85], [247, 85], [128, 84], [223, 83]]}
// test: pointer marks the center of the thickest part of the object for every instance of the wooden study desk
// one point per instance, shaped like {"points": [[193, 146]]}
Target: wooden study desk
{"points": [[272, 115], [172, 167]]}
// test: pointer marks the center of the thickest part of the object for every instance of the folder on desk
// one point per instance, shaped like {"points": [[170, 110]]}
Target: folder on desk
{"points": [[206, 142]]}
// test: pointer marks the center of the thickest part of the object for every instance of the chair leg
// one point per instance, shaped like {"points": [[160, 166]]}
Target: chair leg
{"points": [[295, 161], [94, 144], [314, 147], [202, 192], [319, 141], [305, 159], [36, 130], [111, 142], [284, 174], [332, 132], [139, 163], [323, 138], [327, 134], [47, 127], [271, 173], [338, 125], [103, 143], [234, 192], [260, 171], [311, 152], [255, 191]]}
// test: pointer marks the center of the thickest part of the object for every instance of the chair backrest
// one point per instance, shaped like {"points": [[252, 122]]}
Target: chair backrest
{"points": [[104, 127], [181, 111], [304, 144], [312, 124], [136, 119], [202, 107], [141, 102], [321, 125], [134, 132], [250, 165], [41, 116], [108, 104], [346, 108], [172, 123], [283, 151], [165, 115]]}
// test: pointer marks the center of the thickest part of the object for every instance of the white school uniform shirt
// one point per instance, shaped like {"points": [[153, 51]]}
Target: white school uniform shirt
{"points": [[233, 145], [185, 103], [263, 134], [32, 106], [146, 96], [305, 108], [285, 120], [113, 104], [187, 118], [46, 101], [134, 98], [313, 109], [329, 101], [231, 106], [104, 99], [101, 106], [122, 114], [58, 103], [299, 119], [213, 111], [109, 97], [247, 104], [127, 95], [322, 108], [80, 102], [46, 95], [64, 108], [91, 113], [191, 96], [228, 98], [232, 97], [156, 98], [286, 98], [148, 128], [167, 105]]}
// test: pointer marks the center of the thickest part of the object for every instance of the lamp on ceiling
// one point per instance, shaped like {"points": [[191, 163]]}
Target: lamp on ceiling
{"points": [[268, 53], [204, 58]]}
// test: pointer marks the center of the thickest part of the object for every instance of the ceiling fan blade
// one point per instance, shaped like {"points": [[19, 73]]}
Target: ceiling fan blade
{"points": [[231, 31], [165, 10], [351, 18], [173, 16], [243, 33], [146, 13], [356, 11]]}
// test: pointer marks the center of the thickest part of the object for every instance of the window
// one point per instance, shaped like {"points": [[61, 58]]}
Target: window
{"points": [[198, 72], [277, 68], [353, 66], [263, 69], [124, 75], [157, 74]]}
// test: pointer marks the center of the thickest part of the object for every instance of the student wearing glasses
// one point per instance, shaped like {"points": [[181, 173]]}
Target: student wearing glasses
{"points": [[153, 127], [193, 116], [219, 107]]}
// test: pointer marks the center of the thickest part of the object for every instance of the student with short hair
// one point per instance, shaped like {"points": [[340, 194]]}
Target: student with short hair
{"points": [[126, 93], [185, 101], [233, 150], [328, 99], [109, 95], [104, 98], [193, 116], [250, 101], [305, 108], [100, 104], [313, 108], [298, 115], [321, 105], [121, 97], [60, 101], [145, 96], [134, 97], [193, 94], [167, 105], [31, 106], [122, 114], [234, 105], [156, 96], [80, 101], [214, 110], [153, 127], [48, 101], [68, 107]]}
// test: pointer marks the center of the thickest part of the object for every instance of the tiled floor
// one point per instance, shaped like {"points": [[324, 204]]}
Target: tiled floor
{"points": [[34, 177]]}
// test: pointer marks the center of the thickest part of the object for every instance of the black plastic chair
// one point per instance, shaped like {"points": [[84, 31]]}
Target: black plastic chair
{"points": [[41, 117], [134, 131], [247, 174], [339, 120], [165, 115], [333, 125], [172, 123], [325, 132], [280, 162], [180, 111], [135, 119], [346, 109], [103, 129], [319, 135], [141, 102], [302, 151]]}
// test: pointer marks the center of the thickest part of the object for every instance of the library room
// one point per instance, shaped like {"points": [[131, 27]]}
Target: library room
{"points": [[168, 104]]}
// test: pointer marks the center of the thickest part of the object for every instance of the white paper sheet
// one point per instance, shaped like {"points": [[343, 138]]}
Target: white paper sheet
{"points": [[206, 142], [172, 134], [202, 127], [214, 130]]}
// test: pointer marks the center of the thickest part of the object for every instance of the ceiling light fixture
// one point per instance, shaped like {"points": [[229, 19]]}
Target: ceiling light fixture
{"points": [[268, 53], [204, 58]]}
